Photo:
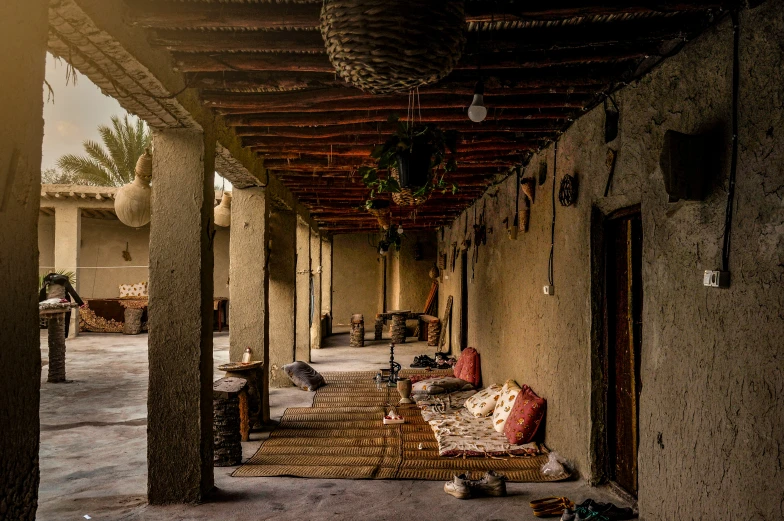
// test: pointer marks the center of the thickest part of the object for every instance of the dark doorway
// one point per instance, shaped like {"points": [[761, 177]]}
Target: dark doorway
{"points": [[623, 328], [464, 300]]}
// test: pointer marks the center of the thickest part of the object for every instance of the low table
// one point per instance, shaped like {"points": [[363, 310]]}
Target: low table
{"points": [[253, 373]]}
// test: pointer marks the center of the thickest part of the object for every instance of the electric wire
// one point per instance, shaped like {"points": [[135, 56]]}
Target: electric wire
{"points": [[725, 250], [550, 275]]}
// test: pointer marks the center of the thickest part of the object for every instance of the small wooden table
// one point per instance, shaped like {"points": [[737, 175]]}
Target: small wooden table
{"points": [[253, 373], [56, 341]]}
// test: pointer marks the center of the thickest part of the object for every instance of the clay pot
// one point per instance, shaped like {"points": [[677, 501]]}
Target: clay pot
{"points": [[222, 212]]}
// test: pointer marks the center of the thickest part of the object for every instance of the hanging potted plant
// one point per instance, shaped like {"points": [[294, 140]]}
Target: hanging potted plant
{"points": [[416, 157]]}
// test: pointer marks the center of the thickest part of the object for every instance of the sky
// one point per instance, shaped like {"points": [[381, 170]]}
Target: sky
{"points": [[73, 113]]}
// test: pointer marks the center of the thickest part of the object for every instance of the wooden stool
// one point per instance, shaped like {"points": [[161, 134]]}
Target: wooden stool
{"points": [[254, 375], [357, 338], [133, 321], [429, 329], [379, 327], [56, 340], [227, 425]]}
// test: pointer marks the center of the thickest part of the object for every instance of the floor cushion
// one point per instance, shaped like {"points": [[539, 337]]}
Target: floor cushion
{"points": [[505, 403], [527, 415], [304, 376], [445, 384], [468, 368], [482, 404]]}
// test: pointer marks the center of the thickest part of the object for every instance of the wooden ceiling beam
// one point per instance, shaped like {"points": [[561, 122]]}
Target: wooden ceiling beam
{"points": [[305, 16], [494, 101], [541, 129], [565, 76], [321, 119], [544, 37], [283, 62], [345, 98], [319, 162], [365, 150], [463, 139]]}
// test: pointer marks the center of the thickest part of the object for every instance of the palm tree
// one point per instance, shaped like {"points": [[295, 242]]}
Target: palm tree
{"points": [[113, 163]]}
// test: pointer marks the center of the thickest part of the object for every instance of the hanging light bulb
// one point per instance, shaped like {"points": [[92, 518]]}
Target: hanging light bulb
{"points": [[477, 112], [400, 229]]}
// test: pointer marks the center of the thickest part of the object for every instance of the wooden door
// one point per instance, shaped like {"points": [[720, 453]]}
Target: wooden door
{"points": [[623, 314]]}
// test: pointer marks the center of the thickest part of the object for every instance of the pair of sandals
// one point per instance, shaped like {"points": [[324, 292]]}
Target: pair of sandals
{"points": [[590, 509], [423, 361], [551, 506]]}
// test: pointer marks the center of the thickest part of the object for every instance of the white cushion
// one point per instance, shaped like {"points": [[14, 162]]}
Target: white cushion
{"points": [[446, 384], [503, 406], [483, 403], [133, 290]]}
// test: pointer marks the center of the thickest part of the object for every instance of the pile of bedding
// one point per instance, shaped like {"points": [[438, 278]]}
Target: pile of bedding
{"points": [[495, 421], [460, 433]]}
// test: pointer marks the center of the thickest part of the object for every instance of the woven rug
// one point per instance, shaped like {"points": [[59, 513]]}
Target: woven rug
{"points": [[342, 436]]}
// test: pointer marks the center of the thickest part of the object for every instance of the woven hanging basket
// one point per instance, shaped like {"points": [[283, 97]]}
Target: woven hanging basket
{"points": [[385, 46], [405, 197]]}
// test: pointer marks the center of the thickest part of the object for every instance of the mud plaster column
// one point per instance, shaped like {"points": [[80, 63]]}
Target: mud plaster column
{"points": [[282, 292], [326, 276], [179, 400], [303, 291], [23, 34], [67, 243], [249, 281], [315, 268]]}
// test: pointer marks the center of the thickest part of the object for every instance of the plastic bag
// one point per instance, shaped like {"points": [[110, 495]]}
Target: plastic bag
{"points": [[555, 465]]}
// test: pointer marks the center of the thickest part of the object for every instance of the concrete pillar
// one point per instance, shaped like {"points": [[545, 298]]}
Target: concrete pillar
{"points": [[23, 35], [303, 291], [179, 399], [282, 292], [316, 269], [326, 275], [249, 281], [67, 243]]}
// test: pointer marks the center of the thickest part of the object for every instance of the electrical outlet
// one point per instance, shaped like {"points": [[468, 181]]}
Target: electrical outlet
{"points": [[549, 290], [716, 279]]}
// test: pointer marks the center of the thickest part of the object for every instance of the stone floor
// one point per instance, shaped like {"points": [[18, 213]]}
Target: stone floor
{"points": [[93, 450]]}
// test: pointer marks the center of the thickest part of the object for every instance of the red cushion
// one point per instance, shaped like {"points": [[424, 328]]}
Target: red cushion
{"points": [[527, 415], [467, 367]]}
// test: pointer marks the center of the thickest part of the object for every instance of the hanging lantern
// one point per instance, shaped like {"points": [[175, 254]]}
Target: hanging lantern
{"points": [[132, 202], [223, 211], [385, 46]]}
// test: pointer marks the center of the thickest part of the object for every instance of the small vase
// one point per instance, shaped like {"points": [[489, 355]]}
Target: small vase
{"points": [[404, 388]]}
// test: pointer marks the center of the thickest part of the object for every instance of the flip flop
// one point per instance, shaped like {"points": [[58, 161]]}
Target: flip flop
{"points": [[548, 502]]}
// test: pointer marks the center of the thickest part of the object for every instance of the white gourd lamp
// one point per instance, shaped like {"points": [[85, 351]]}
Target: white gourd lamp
{"points": [[132, 203]]}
